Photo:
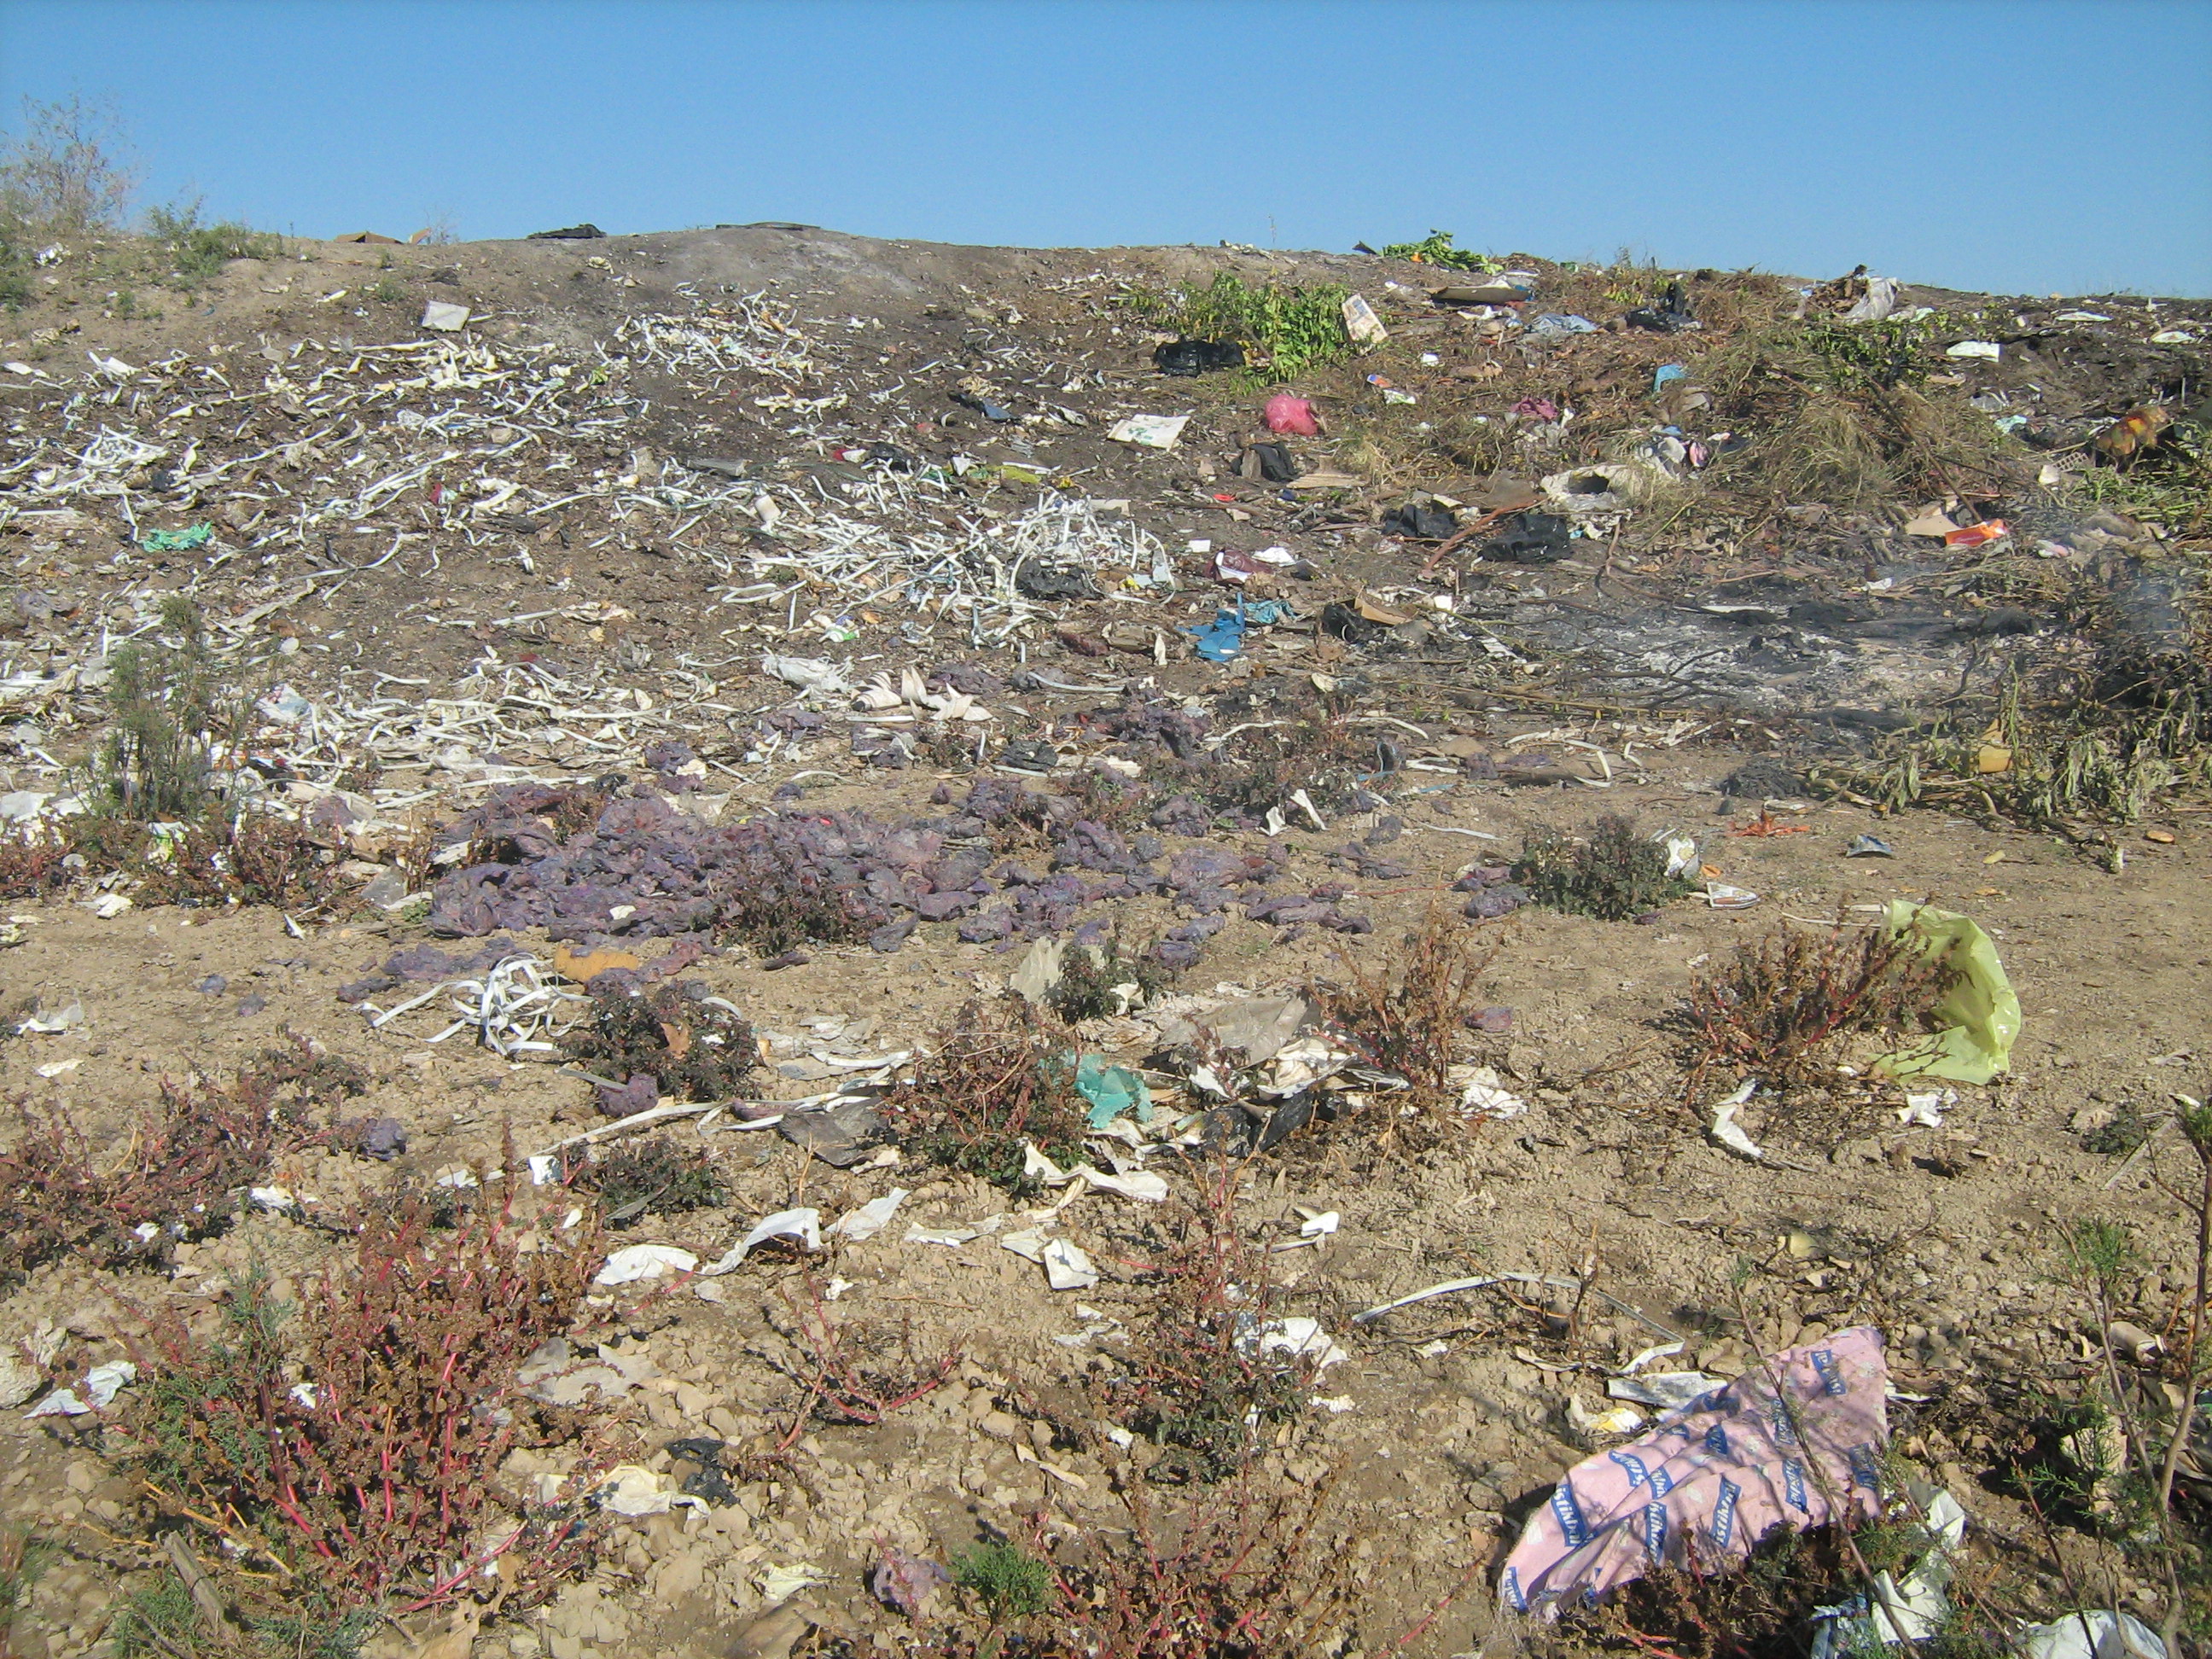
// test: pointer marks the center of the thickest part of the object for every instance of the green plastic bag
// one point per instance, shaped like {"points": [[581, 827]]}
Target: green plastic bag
{"points": [[1980, 1015], [1112, 1090]]}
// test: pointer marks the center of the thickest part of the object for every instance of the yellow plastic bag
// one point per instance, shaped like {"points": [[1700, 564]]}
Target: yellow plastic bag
{"points": [[1980, 1015]]}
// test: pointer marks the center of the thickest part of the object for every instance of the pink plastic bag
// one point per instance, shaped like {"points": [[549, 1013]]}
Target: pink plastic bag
{"points": [[1293, 414], [1714, 1477]]}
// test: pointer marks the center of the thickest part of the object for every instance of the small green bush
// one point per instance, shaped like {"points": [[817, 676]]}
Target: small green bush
{"points": [[1011, 1583], [169, 706], [200, 251], [1613, 873], [1295, 328]]}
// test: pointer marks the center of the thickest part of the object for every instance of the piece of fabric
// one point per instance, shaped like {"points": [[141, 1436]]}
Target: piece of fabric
{"points": [[1714, 1478]]}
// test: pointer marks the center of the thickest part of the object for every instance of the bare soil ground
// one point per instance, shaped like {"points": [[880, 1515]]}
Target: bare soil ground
{"points": [[560, 546]]}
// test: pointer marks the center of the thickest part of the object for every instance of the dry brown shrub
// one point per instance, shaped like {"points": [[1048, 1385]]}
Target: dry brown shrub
{"points": [[1779, 1004], [354, 1464], [1408, 1012]]}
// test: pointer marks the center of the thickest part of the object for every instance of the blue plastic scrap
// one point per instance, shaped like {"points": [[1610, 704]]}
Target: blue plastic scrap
{"points": [[1666, 371], [1221, 639]]}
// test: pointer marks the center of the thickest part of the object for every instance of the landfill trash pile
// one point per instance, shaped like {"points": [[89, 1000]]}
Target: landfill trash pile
{"points": [[1497, 941]]}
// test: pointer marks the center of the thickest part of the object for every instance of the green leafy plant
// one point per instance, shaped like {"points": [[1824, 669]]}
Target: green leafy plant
{"points": [[693, 1046], [1093, 980], [1436, 249], [1295, 329], [1201, 1382], [1001, 1075], [1009, 1582], [652, 1177]]}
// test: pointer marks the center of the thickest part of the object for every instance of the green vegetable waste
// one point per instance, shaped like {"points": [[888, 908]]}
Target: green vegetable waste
{"points": [[1978, 1018]]}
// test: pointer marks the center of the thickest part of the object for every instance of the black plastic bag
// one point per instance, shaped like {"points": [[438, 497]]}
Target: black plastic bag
{"points": [[1530, 537], [1190, 358], [1421, 523], [1670, 316]]}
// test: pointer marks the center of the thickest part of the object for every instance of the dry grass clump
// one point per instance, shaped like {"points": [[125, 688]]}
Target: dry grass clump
{"points": [[855, 1370], [1835, 414], [1779, 1005]]}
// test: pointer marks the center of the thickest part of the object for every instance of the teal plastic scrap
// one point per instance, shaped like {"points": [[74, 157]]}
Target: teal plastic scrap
{"points": [[1112, 1090], [177, 541]]}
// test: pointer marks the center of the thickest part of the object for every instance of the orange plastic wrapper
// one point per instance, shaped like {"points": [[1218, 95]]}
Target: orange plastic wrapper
{"points": [[1974, 535]]}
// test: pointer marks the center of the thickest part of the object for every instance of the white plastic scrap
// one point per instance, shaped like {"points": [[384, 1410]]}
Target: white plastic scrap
{"points": [[1617, 1419], [1727, 1132], [1066, 1267], [1141, 1184], [445, 316], [812, 674], [1297, 1336], [52, 1024], [1361, 323], [1668, 1390], [2099, 1633], [100, 1385], [632, 1489], [869, 1219], [804, 1225], [1482, 1094], [1986, 350], [1926, 1111], [634, 1262], [1722, 897], [779, 1584], [1150, 431], [1876, 303], [1898, 1611], [1681, 855], [514, 1009]]}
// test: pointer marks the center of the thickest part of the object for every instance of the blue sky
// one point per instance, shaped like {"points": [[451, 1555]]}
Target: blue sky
{"points": [[2019, 146]]}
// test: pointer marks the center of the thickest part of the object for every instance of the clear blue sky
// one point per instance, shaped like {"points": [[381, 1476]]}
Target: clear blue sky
{"points": [[2022, 146]]}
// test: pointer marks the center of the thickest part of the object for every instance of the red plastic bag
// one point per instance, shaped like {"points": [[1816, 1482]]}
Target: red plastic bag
{"points": [[1293, 414]]}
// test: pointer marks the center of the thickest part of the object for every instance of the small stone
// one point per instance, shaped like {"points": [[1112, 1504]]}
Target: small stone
{"points": [[999, 1425]]}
